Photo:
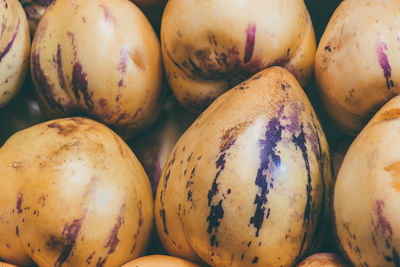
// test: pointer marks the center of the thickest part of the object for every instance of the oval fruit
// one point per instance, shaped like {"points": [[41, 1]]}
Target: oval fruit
{"points": [[72, 193], [208, 48], [35, 9], [160, 260], [101, 58], [249, 183], [357, 68], [367, 192], [323, 260], [14, 49]]}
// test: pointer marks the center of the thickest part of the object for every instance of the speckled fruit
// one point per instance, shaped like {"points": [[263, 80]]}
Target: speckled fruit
{"points": [[72, 193], [367, 192], [210, 46], [14, 49], [249, 183], [323, 260], [357, 67], [160, 260], [100, 57]]}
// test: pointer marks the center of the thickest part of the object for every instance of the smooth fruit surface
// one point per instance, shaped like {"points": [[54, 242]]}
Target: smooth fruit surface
{"points": [[249, 182]]}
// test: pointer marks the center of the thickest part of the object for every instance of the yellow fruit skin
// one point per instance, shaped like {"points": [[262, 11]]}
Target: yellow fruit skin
{"points": [[101, 58], [367, 192], [250, 181], [14, 49], [357, 68], [160, 260], [210, 46], [3, 264], [72, 194]]}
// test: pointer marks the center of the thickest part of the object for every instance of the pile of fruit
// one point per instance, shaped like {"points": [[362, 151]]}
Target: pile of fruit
{"points": [[199, 133]]}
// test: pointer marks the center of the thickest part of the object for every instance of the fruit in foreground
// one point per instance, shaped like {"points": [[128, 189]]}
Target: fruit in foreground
{"points": [[99, 57], [249, 183], [72, 193], [210, 46], [367, 192], [357, 64], [14, 49]]}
